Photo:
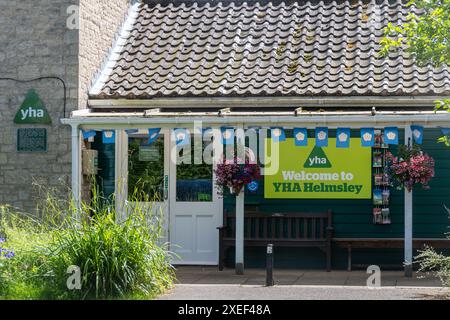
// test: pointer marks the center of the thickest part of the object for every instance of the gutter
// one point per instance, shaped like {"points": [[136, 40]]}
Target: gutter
{"points": [[355, 121], [261, 102]]}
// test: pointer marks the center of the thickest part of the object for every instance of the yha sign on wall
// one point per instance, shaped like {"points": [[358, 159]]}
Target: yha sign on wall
{"points": [[32, 111], [320, 172]]}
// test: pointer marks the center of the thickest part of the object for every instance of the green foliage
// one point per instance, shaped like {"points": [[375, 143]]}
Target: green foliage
{"points": [[120, 255], [430, 260], [425, 36]]}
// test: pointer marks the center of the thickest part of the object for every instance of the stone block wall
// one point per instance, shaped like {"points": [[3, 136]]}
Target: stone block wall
{"points": [[100, 23], [36, 42]]}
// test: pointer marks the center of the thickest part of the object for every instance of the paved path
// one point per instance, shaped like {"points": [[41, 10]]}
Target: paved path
{"points": [[201, 283], [299, 292]]}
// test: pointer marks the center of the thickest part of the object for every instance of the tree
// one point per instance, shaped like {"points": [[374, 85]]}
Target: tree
{"points": [[426, 36]]}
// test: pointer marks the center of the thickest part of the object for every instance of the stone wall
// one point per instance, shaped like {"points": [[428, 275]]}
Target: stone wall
{"points": [[36, 42], [100, 22]]}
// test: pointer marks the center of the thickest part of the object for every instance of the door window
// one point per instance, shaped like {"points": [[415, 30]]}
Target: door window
{"points": [[194, 181], [145, 169]]}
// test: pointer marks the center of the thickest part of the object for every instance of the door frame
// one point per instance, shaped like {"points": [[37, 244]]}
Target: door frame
{"points": [[216, 204], [169, 207]]}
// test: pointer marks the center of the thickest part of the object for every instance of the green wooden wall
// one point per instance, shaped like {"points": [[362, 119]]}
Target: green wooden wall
{"points": [[353, 218]]}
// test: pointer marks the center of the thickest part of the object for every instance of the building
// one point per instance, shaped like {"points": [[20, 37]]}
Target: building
{"points": [[308, 67]]}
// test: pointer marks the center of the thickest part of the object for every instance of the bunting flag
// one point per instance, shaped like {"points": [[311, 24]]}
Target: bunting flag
{"points": [[343, 138], [88, 134], [301, 137], [227, 135], [182, 136], [153, 134], [445, 131], [391, 135], [417, 133], [206, 131], [131, 131], [108, 136], [277, 134], [367, 137], [322, 137]]}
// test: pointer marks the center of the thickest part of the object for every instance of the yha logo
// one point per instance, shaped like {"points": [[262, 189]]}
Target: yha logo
{"points": [[317, 159], [32, 113], [32, 110]]}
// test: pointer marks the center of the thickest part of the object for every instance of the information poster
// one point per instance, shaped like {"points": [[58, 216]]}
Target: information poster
{"points": [[320, 172]]}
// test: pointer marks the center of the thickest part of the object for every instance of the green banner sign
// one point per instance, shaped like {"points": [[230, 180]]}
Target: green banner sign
{"points": [[32, 110], [320, 172]]}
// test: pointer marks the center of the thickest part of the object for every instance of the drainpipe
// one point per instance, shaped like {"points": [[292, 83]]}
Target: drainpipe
{"points": [[408, 217]]}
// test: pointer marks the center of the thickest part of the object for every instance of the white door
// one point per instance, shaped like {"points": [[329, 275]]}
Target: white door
{"points": [[195, 213]]}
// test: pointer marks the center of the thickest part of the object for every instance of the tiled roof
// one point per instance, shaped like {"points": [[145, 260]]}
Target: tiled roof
{"points": [[261, 48]]}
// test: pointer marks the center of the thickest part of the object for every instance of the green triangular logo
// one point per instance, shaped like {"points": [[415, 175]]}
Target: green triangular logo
{"points": [[317, 159], [32, 110]]}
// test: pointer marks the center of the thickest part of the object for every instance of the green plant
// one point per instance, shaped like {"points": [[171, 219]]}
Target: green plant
{"points": [[425, 36], [119, 254], [430, 260]]}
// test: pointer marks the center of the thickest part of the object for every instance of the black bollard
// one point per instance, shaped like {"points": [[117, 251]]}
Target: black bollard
{"points": [[269, 265]]}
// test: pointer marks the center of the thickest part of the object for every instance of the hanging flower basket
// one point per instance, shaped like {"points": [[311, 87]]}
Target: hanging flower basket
{"points": [[410, 167], [235, 176]]}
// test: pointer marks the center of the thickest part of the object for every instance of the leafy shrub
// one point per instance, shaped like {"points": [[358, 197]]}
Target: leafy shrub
{"points": [[119, 255], [430, 260]]}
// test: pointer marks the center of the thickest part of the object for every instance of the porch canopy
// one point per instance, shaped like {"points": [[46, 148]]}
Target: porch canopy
{"points": [[239, 63]]}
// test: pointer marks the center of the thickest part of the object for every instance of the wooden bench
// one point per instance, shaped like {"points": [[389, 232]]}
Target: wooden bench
{"points": [[389, 243], [287, 229]]}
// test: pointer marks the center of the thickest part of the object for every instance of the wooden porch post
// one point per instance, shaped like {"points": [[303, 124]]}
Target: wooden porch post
{"points": [[239, 259], [76, 174], [240, 233], [121, 169], [408, 218]]}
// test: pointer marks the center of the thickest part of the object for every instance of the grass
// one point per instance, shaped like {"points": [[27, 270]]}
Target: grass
{"points": [[120, 256]]}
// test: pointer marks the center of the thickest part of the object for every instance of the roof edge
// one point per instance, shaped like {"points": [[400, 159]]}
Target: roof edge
{"points": [[258, 102], [114, 52]]}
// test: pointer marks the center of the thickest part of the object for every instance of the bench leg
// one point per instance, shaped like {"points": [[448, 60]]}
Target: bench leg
{"points": [[349, 258], [329, 259], [221, 258]]}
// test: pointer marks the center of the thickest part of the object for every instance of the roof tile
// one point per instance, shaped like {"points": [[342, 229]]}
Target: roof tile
{"points": [[261, 48]]}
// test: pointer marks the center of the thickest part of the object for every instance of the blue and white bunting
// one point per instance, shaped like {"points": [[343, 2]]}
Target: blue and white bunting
{"points": [[343, 138], [153, 134], [131, 131], [445, 131], [277, 134], [321, 136], [88, 134], [108, 136], [301, 137], [391, 135], [417, 133], [182, 136], [207, 130], [227, 135], [367, 137]]}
